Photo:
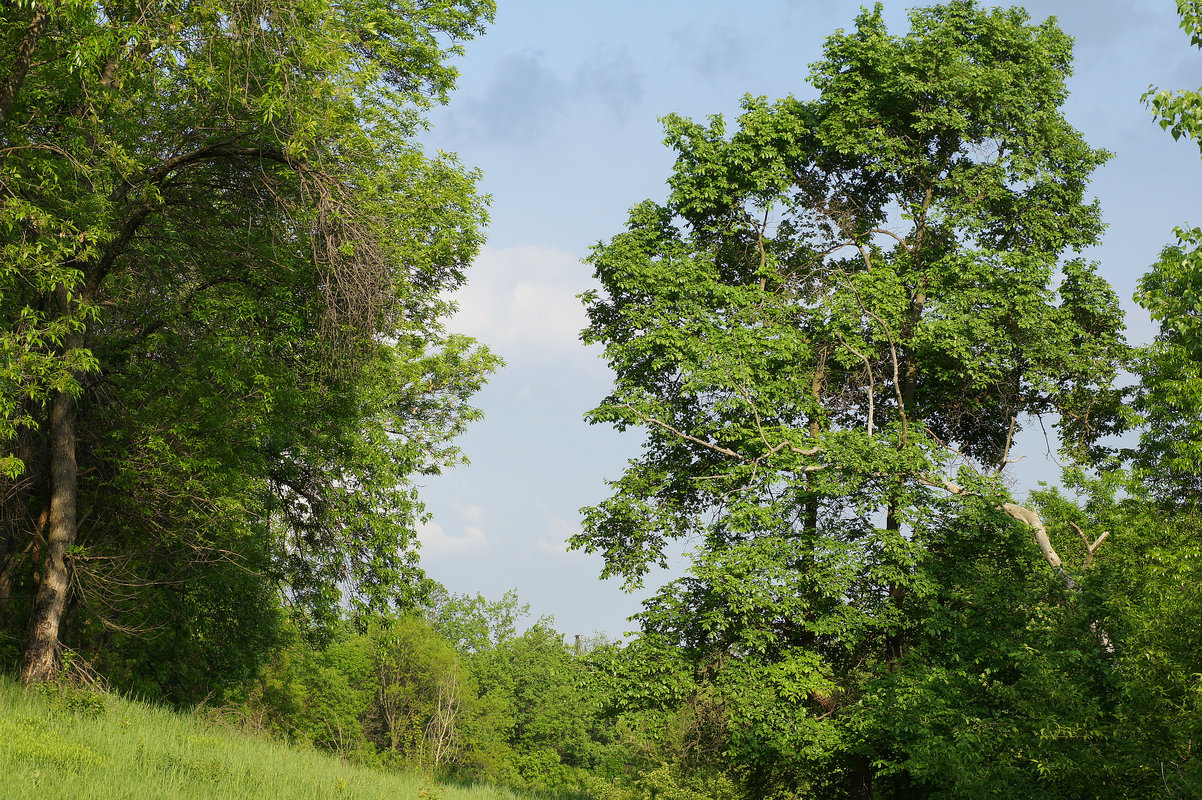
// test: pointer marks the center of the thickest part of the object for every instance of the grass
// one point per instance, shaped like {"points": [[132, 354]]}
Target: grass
{"points": [[64, 742]]}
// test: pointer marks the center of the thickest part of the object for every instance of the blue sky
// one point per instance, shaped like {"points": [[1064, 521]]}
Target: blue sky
{"points": [[558, 107]]}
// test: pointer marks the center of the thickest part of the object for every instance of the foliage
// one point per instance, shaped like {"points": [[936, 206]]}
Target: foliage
{"points": [[546, 732], [830, 333], [225, 259], [1006, 691], [1168, 458], [521, 710], [422, 696], [1180, 112], [192, 643], [1151, 587], [393, 692]]}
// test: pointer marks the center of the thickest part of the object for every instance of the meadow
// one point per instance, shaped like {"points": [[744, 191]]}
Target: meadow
{"points": [[61, 741]]}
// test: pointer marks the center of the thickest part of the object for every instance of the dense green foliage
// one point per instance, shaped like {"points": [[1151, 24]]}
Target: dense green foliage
{"points": [[224, 263], [830, 333], [223, 276], [458, 691]]}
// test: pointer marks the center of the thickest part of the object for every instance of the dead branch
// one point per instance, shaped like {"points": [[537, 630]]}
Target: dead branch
{"points": [[1031, 518], [901, 403], [726, 451], [1090, 549], [899, 239], [1005, 459]]}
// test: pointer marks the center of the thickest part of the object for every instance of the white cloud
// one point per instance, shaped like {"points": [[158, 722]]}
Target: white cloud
{"points": [[437, 542], [556, 540], [522, 302]]}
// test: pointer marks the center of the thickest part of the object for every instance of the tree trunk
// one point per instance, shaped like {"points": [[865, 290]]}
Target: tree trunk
{"points": [[22, 59], [895, 646], [860, 779], [41, 652]]}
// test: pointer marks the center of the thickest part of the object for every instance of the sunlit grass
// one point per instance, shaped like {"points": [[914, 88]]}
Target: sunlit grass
{"points": [[67, 743]]}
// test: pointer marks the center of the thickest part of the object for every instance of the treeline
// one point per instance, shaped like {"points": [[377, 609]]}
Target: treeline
{"points": [[459, 690], [830, 332], [224, 269]]}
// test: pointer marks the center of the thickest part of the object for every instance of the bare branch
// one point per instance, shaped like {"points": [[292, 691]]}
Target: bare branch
{"points": [[871, 379], [726, 451], [899, 239], [1090, 549], [1006, 450], [901, 404]]}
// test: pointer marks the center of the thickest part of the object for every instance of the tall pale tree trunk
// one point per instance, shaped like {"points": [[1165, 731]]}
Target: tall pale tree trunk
{"points": [[42, 649]]}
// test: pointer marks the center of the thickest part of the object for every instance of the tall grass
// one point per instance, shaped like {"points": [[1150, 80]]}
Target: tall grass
{"points": [[62, 742]]}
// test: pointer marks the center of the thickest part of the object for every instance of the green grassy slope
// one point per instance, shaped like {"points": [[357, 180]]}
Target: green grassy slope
{"points": [[69, 744]]}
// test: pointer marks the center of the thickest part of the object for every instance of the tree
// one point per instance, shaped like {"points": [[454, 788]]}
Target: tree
{"points": [[421, 693], [542, 730], [1153, 588], [1168, 458], [831, 332], [223, 265]]}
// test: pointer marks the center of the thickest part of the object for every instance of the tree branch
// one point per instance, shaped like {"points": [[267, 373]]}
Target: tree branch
{"points": [[871, 379], [1090, 549], [901, 405], [888, 232], [726, 451], [22, 59]]}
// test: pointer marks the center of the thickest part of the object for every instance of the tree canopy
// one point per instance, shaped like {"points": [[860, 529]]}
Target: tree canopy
{"points": [[224, 270], [224, 265], [831, 332]]}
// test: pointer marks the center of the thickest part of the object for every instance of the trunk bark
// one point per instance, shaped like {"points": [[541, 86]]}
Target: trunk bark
{"points": [[41, 653], [894, 640], [22, 59], [860, 779]]}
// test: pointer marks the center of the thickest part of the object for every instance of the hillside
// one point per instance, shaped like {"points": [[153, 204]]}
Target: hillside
{"points": [[67, 743]]}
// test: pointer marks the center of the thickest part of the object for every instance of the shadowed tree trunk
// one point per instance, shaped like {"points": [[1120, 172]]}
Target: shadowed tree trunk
{"points": [[41, 653], [22, 58], [860, 779]]}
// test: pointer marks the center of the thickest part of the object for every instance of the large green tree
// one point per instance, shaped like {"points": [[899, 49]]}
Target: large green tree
{"points": [[224, 256], [831, 332]]}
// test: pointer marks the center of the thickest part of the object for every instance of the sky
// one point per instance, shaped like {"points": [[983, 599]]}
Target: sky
{"points": [[558, 107]]}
